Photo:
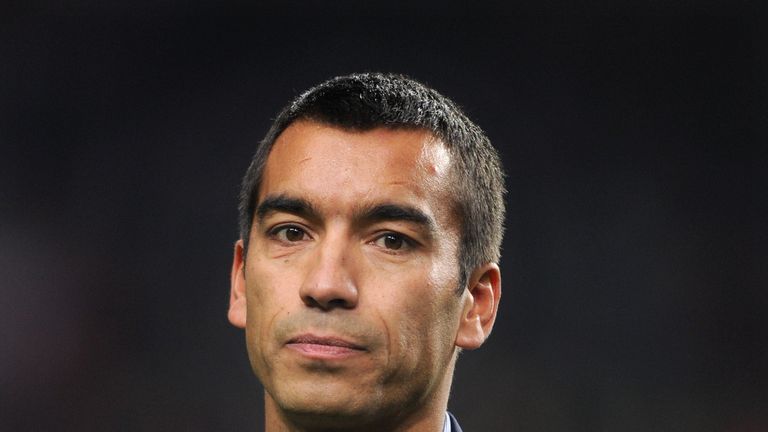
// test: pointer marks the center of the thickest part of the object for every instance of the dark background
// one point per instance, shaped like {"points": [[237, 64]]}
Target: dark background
{"points": [[634, 136]]}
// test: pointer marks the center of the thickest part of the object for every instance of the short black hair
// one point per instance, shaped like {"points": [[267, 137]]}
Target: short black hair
{"points": [[362, 102]]}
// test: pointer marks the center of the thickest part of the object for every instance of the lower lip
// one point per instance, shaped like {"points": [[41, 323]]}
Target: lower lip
{"points": [[324, 352]]}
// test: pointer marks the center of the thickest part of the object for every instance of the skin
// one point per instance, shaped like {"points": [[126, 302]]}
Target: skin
{"points": [[348, 292]]}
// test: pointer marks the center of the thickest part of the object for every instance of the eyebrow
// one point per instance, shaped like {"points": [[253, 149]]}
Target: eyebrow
{"points": [[366, 214], [397, 212], [285, 204]]}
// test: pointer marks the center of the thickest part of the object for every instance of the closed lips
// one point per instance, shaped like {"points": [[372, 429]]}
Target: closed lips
{"points": [[327, 341]]}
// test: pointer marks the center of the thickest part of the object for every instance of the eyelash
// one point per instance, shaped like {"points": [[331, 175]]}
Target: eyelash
{"points": [[275, 233], [279, 233], [406, 245]]}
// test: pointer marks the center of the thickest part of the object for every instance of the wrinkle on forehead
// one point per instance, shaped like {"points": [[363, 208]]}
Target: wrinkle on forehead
{"points": [[419, 173]]}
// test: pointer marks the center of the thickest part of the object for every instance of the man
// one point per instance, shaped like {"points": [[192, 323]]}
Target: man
{"points": [[371, 221]]}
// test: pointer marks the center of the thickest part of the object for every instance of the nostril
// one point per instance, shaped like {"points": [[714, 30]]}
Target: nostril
{"points": [[310, 301], [327, 305], [341, 303]]}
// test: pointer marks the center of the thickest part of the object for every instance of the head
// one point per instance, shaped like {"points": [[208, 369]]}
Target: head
{"points": [[371, 220], [362, 102]]}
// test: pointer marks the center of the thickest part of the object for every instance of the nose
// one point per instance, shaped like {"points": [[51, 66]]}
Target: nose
{"points": [[330, 281]]}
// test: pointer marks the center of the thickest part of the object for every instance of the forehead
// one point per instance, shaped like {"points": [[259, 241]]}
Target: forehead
{"points": [[325, 164]]}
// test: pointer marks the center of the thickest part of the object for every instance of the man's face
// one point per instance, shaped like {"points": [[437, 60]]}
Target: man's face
{"points": [[351, 274]]}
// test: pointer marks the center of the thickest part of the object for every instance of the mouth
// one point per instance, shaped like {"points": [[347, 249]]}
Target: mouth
{"points": [[323, 347]]}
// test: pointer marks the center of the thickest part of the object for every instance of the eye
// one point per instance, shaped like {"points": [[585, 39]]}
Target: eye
{"points": [[289, 234], [392, 241]]}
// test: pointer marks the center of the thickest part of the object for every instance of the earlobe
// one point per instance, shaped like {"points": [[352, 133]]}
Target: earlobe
{"points": [[481, 302], [237, 302]]}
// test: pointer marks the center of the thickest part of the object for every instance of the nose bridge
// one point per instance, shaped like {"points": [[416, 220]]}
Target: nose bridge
{"points": [[330, 281]]}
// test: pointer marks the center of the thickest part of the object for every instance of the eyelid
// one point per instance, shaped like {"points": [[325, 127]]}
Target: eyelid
{"points": [[409, 243], [274, 231]]}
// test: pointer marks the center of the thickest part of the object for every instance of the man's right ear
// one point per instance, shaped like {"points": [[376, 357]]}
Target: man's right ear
{"points": [[237, 306]]}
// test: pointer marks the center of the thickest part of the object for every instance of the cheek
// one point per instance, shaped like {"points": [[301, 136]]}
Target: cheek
{"points": [[271, 281], [425, 319], [267, 295]]}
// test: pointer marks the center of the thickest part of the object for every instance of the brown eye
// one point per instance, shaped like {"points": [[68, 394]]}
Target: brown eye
{"points": [[392, 241], [294, 234], [290, 234]]}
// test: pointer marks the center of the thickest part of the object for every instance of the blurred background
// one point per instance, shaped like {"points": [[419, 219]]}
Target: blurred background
{"points": [[635, 264]]}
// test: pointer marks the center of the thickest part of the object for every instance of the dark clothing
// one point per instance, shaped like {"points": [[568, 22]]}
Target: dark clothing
{"points": [[454, 424]]}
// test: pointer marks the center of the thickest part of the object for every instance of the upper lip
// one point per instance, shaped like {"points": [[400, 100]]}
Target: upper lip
{"points": [[324, 340]]}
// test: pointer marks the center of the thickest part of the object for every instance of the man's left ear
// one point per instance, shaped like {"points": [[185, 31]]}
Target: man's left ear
{"points": [[481, 301]]}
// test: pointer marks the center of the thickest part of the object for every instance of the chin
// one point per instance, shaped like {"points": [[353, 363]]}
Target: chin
{"points": [[324, 401], [358, 408], [328, 414]]}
